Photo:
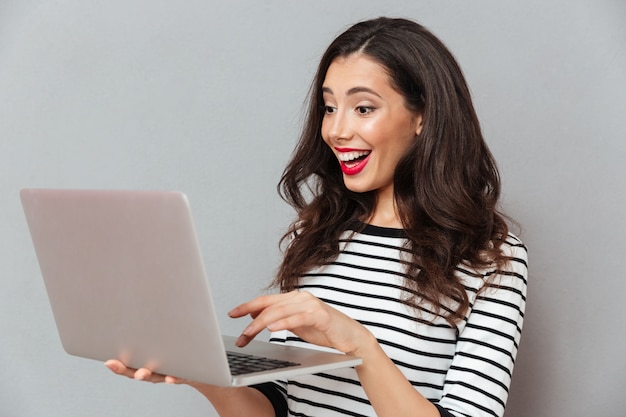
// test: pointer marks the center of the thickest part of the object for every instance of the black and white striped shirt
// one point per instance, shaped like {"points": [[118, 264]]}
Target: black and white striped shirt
{"points": [[466, 371]]}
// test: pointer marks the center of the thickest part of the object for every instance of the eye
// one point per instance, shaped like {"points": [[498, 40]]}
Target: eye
{"points": [[363, 110], [329, 109]]}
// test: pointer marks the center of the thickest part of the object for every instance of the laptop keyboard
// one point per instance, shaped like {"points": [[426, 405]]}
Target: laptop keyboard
{"points": [[242, 363]]}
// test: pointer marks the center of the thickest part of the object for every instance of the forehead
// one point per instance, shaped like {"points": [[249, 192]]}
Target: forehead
{"points": [[357, 69]]}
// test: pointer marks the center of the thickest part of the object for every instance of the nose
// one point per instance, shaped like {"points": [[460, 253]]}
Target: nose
{"points": [[336, 127]]}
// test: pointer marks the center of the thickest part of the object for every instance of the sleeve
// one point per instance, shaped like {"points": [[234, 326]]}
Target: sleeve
{"points": [[276, 397], [443, 412], [478, 380]]}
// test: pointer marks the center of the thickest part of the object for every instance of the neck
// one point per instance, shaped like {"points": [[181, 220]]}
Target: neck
{"points": [[385, 213]]}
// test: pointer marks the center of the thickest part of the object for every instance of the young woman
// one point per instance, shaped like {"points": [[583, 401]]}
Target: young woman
{"points": [[398, 254]]}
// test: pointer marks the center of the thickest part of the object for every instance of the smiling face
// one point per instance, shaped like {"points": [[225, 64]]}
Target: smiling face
{"points": [[366, 123]]}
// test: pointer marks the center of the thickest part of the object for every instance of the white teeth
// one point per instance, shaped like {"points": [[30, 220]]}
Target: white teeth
{"points": [[351, 156]]}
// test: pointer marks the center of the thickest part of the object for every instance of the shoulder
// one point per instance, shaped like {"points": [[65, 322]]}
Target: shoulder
{"points": [[512, 271], [511, 275], [516, 255], [513, 247]]}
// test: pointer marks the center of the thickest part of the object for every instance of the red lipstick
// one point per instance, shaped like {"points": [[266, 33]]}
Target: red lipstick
{"points": [[356, 164]]}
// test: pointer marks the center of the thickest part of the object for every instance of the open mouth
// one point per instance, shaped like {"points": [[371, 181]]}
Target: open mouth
{"points": [[353, 162], [354, 158]]}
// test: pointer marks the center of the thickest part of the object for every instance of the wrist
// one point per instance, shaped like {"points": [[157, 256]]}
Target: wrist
{"points": [[367, 346]]}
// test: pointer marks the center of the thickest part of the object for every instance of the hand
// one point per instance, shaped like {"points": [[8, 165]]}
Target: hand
{"points": [[142, 374], [306, 316], [228, 401]]}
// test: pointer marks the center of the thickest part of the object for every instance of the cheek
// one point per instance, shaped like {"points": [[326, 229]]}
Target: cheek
{"points": [[396, 144], [373, 128]]}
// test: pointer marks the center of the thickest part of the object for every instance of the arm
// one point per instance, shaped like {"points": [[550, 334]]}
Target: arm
{"points": [[389, 392], [479, 377], [385, 385], [237, 402]]}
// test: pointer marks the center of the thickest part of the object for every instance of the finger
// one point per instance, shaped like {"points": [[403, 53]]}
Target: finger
{"points": [[119, 368], [254, 306], [141, 374], [282, 308], [258, 304], [243, 340], [144, 374], [292, 322], [173, 380]]}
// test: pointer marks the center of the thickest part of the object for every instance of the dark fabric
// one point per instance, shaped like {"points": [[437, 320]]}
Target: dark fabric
{"points": [[443, 411], [278, 400]]}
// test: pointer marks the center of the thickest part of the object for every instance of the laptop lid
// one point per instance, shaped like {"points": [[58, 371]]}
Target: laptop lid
{"points": [[125, 279]]}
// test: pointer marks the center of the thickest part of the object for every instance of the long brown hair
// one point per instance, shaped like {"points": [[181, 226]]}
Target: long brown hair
{"points": [[446, 187]]}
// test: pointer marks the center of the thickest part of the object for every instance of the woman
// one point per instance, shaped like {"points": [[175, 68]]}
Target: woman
{"points": [[398, 254]]}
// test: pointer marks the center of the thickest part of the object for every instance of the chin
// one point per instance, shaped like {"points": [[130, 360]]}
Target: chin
{"points": [[357, 188]]}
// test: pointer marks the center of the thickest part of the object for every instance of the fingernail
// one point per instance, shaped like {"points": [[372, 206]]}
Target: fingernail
{"points": [[241, 341], [140, 375]]}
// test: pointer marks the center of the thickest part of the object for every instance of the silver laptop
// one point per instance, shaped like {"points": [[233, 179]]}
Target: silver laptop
{"points": [[125, 279]]}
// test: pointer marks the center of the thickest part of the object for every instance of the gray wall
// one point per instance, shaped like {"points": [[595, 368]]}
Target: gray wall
{"points": [[206, 97]]}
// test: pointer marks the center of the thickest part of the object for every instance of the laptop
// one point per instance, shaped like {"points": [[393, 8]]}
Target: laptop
{"points": [[125, 278]]}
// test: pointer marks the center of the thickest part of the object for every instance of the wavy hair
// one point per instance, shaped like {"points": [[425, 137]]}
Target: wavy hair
{"points": [[446, 187]]}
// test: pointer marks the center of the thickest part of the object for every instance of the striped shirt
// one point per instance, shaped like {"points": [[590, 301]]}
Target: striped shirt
{"points": [[466, 371]]}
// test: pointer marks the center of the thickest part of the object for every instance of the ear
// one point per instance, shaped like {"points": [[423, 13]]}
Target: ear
{"points": [[419, 123]]}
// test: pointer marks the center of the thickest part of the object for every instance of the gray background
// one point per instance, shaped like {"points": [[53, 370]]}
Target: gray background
{"points": [[206, 97]]}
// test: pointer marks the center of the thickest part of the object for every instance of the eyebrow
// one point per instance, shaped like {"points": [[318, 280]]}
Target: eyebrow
{"points": [[353, 90]]}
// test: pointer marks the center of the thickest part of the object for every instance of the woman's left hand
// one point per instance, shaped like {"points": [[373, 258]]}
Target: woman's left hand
{"points": [[307, 317]]}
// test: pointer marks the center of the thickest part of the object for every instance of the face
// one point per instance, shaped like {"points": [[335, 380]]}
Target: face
{"points": [[366, 123]]}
